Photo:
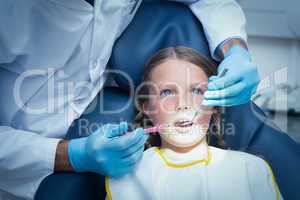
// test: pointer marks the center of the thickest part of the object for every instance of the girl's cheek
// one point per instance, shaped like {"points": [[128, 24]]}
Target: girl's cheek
{"points": [[204, 116], [204, 119], [168, 105], [197, 100]]}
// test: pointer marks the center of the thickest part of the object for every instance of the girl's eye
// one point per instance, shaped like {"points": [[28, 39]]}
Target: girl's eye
{"points": [[197, 91], [166, 92]]}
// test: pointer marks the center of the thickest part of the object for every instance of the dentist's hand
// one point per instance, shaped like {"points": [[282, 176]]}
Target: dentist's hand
{"points": [[239, 82], [107, 151]]}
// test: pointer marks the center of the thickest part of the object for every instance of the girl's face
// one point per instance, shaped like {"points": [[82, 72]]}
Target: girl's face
{"points": [[176, 91]]}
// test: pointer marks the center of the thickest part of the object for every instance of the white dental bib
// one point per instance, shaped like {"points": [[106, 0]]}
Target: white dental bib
{"points": [[224, 174]]}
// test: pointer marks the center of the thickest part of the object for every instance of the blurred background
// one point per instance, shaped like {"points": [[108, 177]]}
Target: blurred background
{"points": [[274, 40]]}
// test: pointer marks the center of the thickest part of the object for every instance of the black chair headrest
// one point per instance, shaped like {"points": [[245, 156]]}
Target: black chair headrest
{"points": [[156, 25]]}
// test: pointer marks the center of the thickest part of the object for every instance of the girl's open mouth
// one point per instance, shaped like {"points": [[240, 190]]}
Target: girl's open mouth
{"points": [[183, 123]]}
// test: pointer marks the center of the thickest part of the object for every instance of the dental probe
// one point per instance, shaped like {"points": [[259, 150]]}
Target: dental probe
{"points": [[200, 107]]}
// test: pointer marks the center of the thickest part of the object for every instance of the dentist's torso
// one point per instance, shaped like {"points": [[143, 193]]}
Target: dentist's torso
{"points": [[52, 60], [55, 61]]}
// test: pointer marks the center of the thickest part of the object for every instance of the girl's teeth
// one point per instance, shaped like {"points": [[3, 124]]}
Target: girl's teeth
{"points": [[184, 124]]}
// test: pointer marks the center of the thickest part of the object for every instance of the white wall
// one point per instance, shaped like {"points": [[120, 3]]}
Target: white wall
{"points": [[274, 18], [273, 38], [278, 61], [272, 55], [272, 26]]}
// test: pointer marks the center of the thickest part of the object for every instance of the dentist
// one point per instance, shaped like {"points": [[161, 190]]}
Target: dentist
{"points": [[53, 55]]}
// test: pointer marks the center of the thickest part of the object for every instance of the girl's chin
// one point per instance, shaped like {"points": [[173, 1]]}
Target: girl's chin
{"points": [[184, 130], [184, 136], [182, 144]]}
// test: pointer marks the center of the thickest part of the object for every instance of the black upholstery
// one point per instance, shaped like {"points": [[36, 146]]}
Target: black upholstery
{"points": [[173, 24]]}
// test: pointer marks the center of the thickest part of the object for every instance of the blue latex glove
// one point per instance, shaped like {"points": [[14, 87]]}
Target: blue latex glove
{"points": [[108, 151], [239, 82]]}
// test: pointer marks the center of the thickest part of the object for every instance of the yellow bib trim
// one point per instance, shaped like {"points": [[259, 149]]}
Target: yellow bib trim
{"points": [[273, 181], [173, 165], [108, 193]]}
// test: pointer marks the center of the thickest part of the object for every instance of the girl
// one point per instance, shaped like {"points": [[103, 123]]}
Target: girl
{"points": [[179, 163]]}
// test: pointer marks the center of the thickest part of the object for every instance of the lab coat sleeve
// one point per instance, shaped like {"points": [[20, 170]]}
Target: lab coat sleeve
{"points": [[25, 157], [221, 20], [25, 160], [262, 182]]}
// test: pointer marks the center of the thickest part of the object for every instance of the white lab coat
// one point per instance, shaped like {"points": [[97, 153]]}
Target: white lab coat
{"points": [[50, 47], [225, 174]]}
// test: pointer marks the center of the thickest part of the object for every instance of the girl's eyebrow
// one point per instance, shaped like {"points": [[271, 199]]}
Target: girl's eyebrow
{"points": [[169, 85], [202, 85]]}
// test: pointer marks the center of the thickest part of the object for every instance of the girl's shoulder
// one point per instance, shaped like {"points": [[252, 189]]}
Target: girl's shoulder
{"points": [[150, 157], [242, 162], [235, 156], [217, 155], [220, 156], [150, 154], [257, 170]]}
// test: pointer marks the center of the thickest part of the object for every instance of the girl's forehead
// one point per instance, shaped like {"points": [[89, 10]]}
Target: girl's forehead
{"points": [[175, 70]]}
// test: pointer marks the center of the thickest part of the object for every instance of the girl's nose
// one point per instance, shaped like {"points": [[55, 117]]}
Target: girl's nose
{"points": [[182, 108], [183, 103]]}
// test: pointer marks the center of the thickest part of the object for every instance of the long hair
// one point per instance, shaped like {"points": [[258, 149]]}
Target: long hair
{"points": [[185, 54]]}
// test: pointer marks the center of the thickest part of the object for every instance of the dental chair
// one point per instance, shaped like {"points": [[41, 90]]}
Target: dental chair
{"points": [[172, 24]]}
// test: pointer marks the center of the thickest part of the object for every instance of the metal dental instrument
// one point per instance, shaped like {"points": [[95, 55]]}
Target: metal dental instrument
{"points": [[200, 107]]}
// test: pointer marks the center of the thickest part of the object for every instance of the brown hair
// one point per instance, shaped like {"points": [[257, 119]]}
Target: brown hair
{"points": [[181, 53]]}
